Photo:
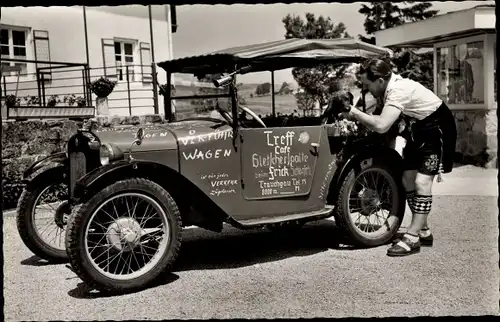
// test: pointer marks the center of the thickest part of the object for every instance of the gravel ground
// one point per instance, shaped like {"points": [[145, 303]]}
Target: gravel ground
{"points": [[264, 275]]}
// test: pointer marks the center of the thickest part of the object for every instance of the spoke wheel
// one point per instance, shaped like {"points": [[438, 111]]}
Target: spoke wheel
{"points": [[42, 213], [124, 236], [371, 205]]}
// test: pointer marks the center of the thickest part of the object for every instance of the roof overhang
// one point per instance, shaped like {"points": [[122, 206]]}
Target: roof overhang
{"points": [[450, 26]]}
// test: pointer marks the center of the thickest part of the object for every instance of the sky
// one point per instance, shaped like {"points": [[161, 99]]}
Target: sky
{"points": [[206, 28]]}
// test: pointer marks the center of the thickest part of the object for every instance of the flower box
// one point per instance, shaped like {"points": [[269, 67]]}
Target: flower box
{"points": [[40, 112]]}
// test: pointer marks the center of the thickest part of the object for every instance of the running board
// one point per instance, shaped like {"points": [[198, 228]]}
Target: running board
{"points": [[314, 215]]}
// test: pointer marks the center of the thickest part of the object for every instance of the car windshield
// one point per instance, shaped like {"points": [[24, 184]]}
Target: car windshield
{"points": [[194, 97]]}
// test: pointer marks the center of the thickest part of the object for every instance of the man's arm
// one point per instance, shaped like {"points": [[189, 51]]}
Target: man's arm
{"points": [[378, 123], [397, 99]]}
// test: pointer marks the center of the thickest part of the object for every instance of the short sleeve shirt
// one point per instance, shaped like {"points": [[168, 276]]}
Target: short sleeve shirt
{"points": [[412, 98]]}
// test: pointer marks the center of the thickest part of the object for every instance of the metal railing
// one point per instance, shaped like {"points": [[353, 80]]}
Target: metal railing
{"points": [[66, 83]]}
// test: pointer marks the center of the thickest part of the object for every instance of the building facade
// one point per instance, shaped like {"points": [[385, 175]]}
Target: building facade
{"points": [[464, 46], [111, 40]]}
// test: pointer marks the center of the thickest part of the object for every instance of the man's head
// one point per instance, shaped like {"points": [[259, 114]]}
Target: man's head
{"points": [[374, 76]]}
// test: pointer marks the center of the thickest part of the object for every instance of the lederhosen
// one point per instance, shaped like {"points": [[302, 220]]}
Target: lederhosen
{"points": [[430, 143]]}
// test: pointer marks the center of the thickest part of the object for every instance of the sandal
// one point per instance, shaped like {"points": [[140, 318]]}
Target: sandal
{"points": [[404, 247], [427, 241]]}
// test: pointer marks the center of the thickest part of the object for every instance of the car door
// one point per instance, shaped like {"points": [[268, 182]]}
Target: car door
{"points": [[278, 162]]}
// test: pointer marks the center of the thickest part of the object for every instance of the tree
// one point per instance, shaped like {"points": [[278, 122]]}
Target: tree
{"points": [[285, 89], [316, 82], [383, 14], [305, 102], [263, 89]]}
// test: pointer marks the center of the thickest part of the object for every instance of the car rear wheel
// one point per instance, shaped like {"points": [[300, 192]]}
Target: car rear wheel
{"points": [[125, 236], [371, 204], [42, 213]]}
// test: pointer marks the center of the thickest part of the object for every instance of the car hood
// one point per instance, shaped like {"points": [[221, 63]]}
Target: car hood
{"points": [[157, 136]]}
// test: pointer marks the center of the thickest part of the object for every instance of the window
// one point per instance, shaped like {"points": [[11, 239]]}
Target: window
{"points": [[124, 56], [460, 73], [13, 46]]}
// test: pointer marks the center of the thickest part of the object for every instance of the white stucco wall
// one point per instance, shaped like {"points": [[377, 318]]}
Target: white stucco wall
{"points": [[67, 44]]}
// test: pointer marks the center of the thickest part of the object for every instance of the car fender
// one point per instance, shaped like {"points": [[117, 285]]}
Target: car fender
{"points": [[112, 172], [52, 161], [179, 187], [356, 154], [377, 151], [45, 173]]}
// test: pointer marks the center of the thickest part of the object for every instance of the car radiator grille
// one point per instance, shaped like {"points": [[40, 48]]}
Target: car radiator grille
{"points": [[77, 168]]}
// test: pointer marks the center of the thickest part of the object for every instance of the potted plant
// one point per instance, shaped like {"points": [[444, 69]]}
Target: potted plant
{"points": [[12, 100], [53, 101], [80, 101], [102, 87], [70, 99]]}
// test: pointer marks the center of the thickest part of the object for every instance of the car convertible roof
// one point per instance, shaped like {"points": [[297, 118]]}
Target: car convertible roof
{"points": [[276, 55]]}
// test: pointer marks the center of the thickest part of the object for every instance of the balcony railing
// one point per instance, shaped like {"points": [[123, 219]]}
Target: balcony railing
{"points": [[69, 85]]}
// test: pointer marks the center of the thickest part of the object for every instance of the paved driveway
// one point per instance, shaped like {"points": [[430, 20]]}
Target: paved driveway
{"points": [[247, 274]]}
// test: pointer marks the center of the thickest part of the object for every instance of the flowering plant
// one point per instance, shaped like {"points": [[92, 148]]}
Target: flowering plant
{"points": [[102, 87], [345, 127], [72, 99]]}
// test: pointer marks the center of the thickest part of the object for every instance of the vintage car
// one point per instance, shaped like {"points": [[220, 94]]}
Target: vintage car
{"points": [[131, 190]]}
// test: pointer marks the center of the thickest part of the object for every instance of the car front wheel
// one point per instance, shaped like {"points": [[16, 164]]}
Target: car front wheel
{"points": [[125, 236], [371, 204]]}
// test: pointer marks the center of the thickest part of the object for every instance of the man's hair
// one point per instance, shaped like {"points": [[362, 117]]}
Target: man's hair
{"points": [[376, 68]]}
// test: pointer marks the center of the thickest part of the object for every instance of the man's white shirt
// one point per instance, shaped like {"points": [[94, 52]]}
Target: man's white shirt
{"points": [[412, 98]]}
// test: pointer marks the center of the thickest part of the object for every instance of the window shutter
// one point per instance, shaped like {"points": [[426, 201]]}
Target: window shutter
{"points": [[108, 56], [146, 70], [42, 51]]}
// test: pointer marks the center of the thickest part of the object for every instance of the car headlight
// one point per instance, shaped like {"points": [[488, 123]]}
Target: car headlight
{"points": [[109, 152]]}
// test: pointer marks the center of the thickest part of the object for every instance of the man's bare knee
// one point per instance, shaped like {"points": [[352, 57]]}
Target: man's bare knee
{"points": [[409, 180], [423, 184]]}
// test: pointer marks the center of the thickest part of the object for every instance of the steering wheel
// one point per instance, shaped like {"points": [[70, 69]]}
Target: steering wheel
{"points": [[224, 114], [229, 119], [252, 114]]}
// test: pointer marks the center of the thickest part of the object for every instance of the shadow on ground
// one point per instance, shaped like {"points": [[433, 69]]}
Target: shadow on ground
{"points": [[82, 291], [235, 248], [37, 261]]}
